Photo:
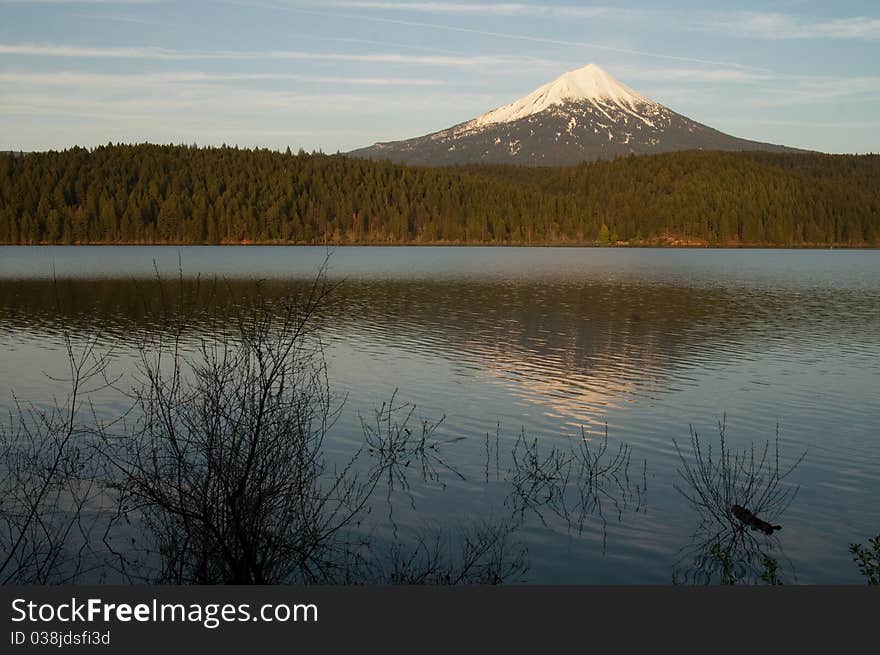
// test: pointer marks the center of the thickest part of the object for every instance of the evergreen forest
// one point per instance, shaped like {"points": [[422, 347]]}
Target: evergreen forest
{"points": [[145, 194]]}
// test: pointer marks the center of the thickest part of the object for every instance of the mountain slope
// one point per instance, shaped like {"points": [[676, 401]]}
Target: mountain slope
{"points": [[584, 114]]}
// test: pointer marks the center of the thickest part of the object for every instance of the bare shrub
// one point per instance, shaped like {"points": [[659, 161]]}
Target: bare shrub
{"points": [[219, 470], [224, 478], [735, 492], [226, 469], [47, 479], [481, 554], [572, 481], [399, 449]]}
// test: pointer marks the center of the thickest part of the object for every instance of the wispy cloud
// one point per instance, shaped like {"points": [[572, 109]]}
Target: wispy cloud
{"points": [[79, 2], [796, 123], [50, 50], [672, 88], [762, 25], [786, 26], [118, 18], [62, 92], [488, 9], [812, 90], [501, 35], [692, 74], [769, 89], [79, 79], [214, 113]]}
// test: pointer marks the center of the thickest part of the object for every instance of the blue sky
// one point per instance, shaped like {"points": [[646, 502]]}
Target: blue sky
{"points": [[338, 74]]}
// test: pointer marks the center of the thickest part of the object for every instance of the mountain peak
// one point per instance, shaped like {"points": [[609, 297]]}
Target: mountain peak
{"points": [[582, 115], [588, 84], [593, 83]]}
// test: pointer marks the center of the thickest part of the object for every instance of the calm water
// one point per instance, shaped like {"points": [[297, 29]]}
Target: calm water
{"points": [[549, 342]]}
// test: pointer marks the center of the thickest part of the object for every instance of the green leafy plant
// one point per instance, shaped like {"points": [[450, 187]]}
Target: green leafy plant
{"points": [[770, 574], [868, 559], [728, 572]]}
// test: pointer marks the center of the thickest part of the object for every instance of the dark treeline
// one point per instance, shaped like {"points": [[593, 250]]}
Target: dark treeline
{"points": [[179, 194]]}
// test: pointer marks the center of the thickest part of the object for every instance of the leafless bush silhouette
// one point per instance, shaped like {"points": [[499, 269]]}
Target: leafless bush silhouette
{"points": [[738, 495], [482, 554], [398, 450], [226, 469], [47, 479], [224, 477], [573, 482], [218, 469]]}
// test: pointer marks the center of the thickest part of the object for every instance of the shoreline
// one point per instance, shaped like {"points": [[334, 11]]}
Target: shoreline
{"points": [[448, 244]]}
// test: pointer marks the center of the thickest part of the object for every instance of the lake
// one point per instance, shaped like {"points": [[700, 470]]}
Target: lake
{"points": [[549, 344]]}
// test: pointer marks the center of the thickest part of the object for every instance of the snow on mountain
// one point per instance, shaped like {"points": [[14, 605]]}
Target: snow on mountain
{"points": [[582, 115], [588, 84]]}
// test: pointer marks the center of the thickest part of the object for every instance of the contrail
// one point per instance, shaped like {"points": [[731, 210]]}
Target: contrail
{"points": [[503, 35]]}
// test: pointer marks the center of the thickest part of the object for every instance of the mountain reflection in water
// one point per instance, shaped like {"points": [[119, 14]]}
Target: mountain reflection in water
{"points": [[531, 340]]}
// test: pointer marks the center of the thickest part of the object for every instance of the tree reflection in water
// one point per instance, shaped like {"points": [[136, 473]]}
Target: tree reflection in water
{"points": [[217, 472]]}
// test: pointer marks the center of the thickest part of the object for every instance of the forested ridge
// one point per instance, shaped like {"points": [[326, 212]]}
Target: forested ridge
{"points": [[185, 194]]}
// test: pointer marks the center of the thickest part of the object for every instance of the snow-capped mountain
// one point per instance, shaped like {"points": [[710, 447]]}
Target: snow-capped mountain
{"points": [[584, 114]]}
